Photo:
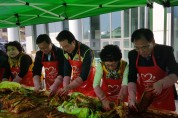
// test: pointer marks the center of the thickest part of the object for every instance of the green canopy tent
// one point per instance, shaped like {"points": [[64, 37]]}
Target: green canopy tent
{"points": [[29, 12], [167, 3]]}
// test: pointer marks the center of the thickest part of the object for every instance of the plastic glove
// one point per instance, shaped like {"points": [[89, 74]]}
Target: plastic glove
{"points": [[123, 92], [66, 81], [55, 85], [74, 84], [106, 104], [164, 83], [36, 81], [99, 92], [101, 95], [132, 96], [17, 79]]}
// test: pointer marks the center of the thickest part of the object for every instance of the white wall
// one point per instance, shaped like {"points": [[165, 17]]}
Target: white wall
{"points": [[54, 29], [13, 34], [158, 23], [75, 26]]}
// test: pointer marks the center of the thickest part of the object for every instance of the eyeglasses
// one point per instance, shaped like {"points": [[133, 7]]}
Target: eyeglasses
{"points": [[114, 64], [143, 48]]}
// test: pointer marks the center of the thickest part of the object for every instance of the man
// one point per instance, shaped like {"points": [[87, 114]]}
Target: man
{"points": [[3, 63], [152, 67], [78, 65], [51, 58]]}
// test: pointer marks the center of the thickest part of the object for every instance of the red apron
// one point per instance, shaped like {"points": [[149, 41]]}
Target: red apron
{"points": [[87, 86], [1, 73], [112, 87], [149, 75], [27, 80], [51, 71]]}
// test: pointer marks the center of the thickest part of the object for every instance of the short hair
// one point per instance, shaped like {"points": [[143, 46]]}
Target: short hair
{"points": [[65, 35], [110, 53], [15, 44], [142, 33], [43, 37]]}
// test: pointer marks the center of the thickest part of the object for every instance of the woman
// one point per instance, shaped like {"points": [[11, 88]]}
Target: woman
{"points": [[112, 71], [20, 65]]}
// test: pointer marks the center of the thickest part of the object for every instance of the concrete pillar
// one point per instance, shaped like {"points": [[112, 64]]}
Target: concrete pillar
{"points": [[13, 34], [66, 25], [30, 41], [75, 26], [41, 29]]}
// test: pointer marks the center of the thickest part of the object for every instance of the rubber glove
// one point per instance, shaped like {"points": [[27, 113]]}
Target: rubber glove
{"points": [[74, 84], [66, 81], [99, 92], [55, 85], [123, 93], [17, 79], [132, 96], [36, 81], [164, 83], [106, 104], [101, 95]]}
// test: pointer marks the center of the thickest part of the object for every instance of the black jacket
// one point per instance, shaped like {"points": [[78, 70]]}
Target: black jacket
{"points": [[58, 53], [164, 57]]}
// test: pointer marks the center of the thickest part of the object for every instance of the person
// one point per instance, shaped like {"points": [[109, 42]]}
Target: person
{"points": [[156, 68], [78, 65], [3, 63], [51, 58], [19, 65], [113, 72]]}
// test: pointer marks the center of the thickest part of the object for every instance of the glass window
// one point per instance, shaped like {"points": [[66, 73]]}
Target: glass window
{"points": [[105, 43], [87, 43], [116, 43], [126, 54], [126, 23], [55, 27], [175, 32], [86, 28], [105, 26], [142, 17], [116, 25], [150, 17], [134, 19], [126, 43]]}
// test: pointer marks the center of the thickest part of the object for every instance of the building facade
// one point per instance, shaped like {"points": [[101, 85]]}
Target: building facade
{"points": [[113, 28]]}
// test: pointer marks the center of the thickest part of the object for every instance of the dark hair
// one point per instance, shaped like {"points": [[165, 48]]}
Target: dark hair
{"points": [[65, 35], [142, 33], [43, 37], [110, 53], [15, 44]]}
